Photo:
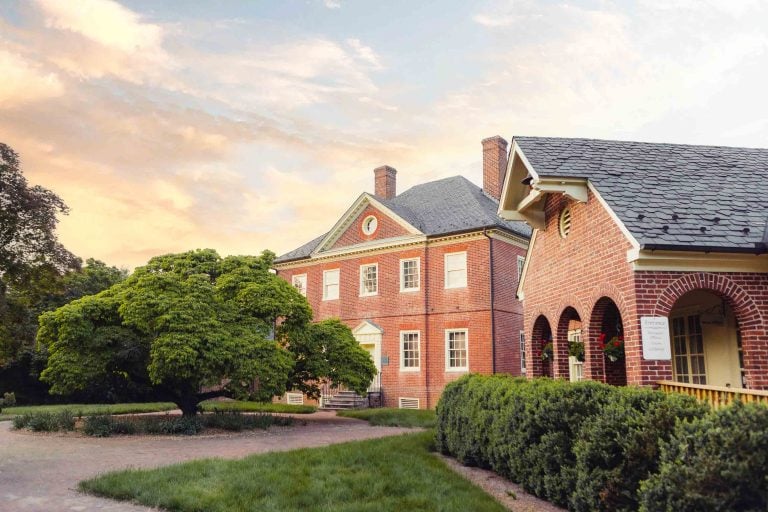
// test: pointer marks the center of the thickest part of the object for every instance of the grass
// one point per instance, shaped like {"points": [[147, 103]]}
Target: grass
{"points": [[424, 418], [87, 409], [395, 473], [215, 405], [9, 413]]}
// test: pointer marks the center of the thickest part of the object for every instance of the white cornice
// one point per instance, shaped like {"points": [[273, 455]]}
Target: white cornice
{"points": [[687, 261], [398, 244]]}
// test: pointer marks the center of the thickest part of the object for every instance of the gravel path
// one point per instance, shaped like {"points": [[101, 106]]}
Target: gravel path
{"points": [[40, 472], [507, 493]]}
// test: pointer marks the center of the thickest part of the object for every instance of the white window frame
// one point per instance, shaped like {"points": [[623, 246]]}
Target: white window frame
{"points": [[448, 256], [370, 225], [404, 368], [403, 289], [448, 367], [302, 278], [363, 292], [523, 368], [520, 266], [337, 271]]}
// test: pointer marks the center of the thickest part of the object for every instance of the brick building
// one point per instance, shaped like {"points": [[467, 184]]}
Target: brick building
{"points": [[661, 245], [422, 279]]}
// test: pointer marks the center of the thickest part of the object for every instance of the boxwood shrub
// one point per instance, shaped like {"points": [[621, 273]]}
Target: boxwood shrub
{"points": [[583, 445], [619, 448], [718, 462]]}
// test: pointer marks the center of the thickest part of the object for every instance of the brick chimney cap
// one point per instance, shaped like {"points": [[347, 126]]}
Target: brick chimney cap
{"points": [[496, 139], [385, 168]]}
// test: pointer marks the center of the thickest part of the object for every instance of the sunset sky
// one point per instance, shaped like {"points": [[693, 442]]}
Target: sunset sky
{"points": [[241, 126]]}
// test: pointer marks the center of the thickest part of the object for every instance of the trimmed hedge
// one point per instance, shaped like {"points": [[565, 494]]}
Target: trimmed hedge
{"points": [[583, 445], [718, 462]]}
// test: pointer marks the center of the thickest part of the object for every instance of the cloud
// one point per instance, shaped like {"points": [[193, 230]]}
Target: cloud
{"points": [[332, 4], [103, 21], [365, 53], [25, 81], [97, 38]]}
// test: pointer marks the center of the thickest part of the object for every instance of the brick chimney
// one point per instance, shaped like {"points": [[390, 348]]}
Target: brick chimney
{"points": [[494, 165], [385, 182]]}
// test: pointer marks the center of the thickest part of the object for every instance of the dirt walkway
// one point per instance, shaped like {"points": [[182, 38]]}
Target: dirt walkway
{"points": [[40, 472]]}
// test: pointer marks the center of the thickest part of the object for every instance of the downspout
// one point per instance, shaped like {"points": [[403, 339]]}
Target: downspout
{"points": [[426, 321], [493, 320]]}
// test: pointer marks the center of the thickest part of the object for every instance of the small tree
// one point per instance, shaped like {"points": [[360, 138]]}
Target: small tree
{"points": [[185, 322]]}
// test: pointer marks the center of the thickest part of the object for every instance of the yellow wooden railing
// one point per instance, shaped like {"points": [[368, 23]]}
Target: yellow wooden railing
{"points": [[716, 396]]}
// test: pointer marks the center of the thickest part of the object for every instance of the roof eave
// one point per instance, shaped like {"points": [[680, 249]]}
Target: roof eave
{"points": [[759, 248]]}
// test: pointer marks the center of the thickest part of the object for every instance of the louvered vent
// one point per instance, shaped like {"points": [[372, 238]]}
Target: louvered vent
{"points": [[294, 398], [565, 222], [409, 403]]}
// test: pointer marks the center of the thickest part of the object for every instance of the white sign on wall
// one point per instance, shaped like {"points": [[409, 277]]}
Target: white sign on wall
{"points": [[655, 334]]}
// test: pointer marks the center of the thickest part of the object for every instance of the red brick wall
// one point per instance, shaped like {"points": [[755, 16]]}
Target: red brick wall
{"points": [[431, 310], [507, 310], [577, 271], [745, 292], [387, 228], [591, 263]]}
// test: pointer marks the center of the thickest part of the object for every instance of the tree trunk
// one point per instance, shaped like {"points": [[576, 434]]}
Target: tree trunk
{"points": [[188, 404]]}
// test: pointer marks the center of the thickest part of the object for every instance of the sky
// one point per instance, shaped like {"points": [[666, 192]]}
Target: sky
{"points": [[243, 126]]}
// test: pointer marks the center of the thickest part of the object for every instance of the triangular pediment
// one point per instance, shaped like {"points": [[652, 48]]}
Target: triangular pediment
{"points": [[348, 230], [367, 327]]}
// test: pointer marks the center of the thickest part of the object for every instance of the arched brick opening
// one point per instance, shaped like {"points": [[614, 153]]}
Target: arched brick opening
{"points": [[605, 324], [569, 318], [753, 332], [541, 334]]}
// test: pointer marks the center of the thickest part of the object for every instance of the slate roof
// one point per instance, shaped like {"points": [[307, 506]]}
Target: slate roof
{"points": [[669, 196], [449, 205]]}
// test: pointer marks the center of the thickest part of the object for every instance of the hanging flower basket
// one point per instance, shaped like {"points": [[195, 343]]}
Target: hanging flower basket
{"points": [[613, 348], [546, 350]]}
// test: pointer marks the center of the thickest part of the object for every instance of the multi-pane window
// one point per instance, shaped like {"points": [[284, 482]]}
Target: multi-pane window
{"points": [[520, 265], [456, 349], [409, 350], [331, 284], [522, 351], [369, 279], [688, 350], [456, 270], [409, 275], [300, 283]]}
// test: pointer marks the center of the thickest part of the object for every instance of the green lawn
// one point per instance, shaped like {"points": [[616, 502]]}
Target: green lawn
{"points": [[395, 473], [424, 418], [214, 405], [88, 409]]}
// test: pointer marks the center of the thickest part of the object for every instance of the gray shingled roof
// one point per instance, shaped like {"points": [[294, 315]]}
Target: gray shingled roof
{"points": [[449, 205], [669, 195]]}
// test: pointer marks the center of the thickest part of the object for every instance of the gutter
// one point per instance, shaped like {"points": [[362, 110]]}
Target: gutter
{"points": [[759, 248]]}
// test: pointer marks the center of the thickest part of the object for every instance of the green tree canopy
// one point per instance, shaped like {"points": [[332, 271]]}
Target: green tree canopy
{"points": [[191, 321]]}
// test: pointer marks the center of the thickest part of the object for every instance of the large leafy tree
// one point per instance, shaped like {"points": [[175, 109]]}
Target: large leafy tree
{"points": [[186, 323], [31, 258], [28, 218]]}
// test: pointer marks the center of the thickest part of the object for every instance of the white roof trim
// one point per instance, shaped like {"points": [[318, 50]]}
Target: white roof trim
{"points": [[520, 294], [352, 213], [688, 261], [612, 214]]}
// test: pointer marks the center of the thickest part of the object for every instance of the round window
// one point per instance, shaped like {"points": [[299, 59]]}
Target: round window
{"points": [[565, 222], [370, 224]]}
